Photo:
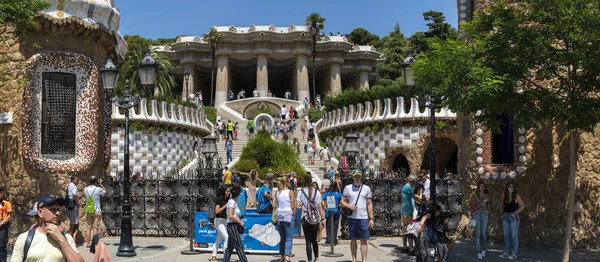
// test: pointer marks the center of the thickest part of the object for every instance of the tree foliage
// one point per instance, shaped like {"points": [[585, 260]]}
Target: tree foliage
{"points": [[437, 28], [264, 153], [361, 36], [394, 48], [354, 96], [20, 13]]}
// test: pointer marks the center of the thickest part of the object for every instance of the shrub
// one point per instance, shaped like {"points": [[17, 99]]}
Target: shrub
{"points": [[314, 114], [211, 114]]}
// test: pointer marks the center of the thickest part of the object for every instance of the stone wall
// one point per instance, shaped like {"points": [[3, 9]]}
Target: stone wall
{"points": [[23, 184], [543, 188]]}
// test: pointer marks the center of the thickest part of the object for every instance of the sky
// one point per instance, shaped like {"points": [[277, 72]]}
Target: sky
{"points": [[166, 19]]}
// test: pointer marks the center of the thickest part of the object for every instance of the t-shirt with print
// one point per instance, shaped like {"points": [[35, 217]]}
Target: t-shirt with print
{"points": [[351, 194], [232, 204], [43, 248], [407, 201], [96, 193], [5, 210], [314, 194], [338, 199]]}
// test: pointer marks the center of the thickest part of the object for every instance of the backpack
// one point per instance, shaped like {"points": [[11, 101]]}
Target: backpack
{"points": [[313, 215], [90, 207], [29, 239]]}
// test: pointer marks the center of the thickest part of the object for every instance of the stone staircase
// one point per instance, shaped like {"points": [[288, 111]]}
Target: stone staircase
{"points": [[238, 144], [319, 167]]}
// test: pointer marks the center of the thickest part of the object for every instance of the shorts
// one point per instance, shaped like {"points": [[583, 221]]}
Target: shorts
{"points": [[358, 228], [406, 219], [73, 215], [311, 153], [221, 131], [93, 220]]}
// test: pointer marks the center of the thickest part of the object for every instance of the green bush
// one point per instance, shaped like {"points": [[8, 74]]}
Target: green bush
{"points": [[211, 114], [354, 96], [263, 153], [314, 114]]}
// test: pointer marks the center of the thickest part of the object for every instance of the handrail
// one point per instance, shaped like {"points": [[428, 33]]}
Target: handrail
{"points": [[368, 112]]}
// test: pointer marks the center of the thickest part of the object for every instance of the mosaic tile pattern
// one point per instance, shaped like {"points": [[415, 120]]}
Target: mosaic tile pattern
{"points": [[86, 114], [151, 152], [372, 146]]}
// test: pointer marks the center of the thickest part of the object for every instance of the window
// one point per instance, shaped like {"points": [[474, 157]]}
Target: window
{"points": [[59, 105], [503, 142]]}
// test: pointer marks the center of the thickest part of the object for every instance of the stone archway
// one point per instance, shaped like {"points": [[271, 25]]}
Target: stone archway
{"points": [[262, 106], [401, 163], [446, 156]]}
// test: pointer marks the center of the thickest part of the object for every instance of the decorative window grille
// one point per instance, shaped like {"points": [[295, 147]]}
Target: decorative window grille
{"points": [[59, 104]]}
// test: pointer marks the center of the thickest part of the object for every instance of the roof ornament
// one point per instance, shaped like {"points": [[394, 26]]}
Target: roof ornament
{"points": [[272, 28], [291, 28], [232, 29], [252, 28]]}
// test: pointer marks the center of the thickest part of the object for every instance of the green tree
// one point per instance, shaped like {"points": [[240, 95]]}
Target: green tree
{"points": [[540, 58], [316, 24], [163, 80], [20, 13], [361, 36], [394, 47], [213, 38], [436, 28], [164, 41], [264, 153]]}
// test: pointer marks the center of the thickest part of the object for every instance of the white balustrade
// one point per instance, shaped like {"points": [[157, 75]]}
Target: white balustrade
{"points": [[179, 115], [368, 112]]}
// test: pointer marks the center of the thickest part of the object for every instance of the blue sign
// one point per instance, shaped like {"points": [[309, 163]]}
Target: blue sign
{"points": [[260, 235]]}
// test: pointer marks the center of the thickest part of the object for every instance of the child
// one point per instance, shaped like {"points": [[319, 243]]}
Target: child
{"points": [[444, 240]]}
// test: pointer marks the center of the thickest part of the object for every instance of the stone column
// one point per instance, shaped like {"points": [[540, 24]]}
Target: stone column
{"points": [[222, 80], [302, 77], [262, 74], [364, 76], [335, 78], [189, 88]]}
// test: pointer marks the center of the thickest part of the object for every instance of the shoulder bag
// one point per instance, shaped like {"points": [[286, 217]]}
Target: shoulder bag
{"points": [[348, 211]]}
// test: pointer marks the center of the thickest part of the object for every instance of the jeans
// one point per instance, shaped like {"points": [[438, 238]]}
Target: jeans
{"points": [[510, 227], [286, 234], [335, 221], [3, 241], [481, 230], [220, 224], [229, 156]]}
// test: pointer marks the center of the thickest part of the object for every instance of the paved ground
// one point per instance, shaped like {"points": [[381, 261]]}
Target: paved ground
{"points": [[380, 250]]}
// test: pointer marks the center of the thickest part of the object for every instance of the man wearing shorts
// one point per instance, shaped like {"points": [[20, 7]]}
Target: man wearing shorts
{"points": [[362, 218], [73, 214], [407, 210], [93, 220]]}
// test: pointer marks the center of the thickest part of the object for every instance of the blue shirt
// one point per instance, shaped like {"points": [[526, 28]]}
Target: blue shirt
{"points": [[331, 173], [263, 201], [228, 146], [338, 198], [407, 203], [241, 201]]}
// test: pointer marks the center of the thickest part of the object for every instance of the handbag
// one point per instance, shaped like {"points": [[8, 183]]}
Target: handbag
{"points": [[274, 216], [348, 211], [472, 223], [70, 205], [411, 229], [240, 229]]}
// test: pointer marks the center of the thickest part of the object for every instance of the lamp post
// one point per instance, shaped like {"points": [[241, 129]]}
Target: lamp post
{"points": [[147, 70], [407, 75], [186, 76]]}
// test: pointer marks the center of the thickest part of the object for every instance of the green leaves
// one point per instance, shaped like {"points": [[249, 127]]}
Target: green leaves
{"points": [[20, 13]]}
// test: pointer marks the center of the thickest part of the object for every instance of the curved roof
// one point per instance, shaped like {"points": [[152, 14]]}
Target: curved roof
{"points": [[261, 28]]}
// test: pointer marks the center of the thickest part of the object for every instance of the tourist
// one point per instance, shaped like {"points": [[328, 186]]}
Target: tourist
{"points": [[5, 218], [293, 181], [480, 206], [234, 226], [431, 221], [305, 103], [509, 209], [287, 95], [310, 223], [263, 199], [310, 150], [331, 173], [229, 150], [251, 187], [303, 127], [420, 201], [73, 214], [443, 246], [221, 128], [60, 248], [318, 101], [250, 126], [220, 220], [424, 180], [227, 177], [292, 113], [93, 220], [255, 93], [311, 133], [241, 94], [286, 213], [269, 94], [406, 212], [235, 130], [357, 197], [283, 112], [332, 215], [325, 156], [231, 96], [325, 182], [243, 198], [270, 176], [229, 129], [199, 98]]}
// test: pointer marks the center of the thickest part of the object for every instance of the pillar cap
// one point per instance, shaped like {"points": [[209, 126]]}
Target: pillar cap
{"points": [[336, 60], [302, 51]]}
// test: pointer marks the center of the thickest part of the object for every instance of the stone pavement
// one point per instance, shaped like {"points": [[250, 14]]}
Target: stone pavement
{"points": [[381, 250]]}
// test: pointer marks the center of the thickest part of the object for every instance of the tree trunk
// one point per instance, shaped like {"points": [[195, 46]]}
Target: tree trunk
{"points": [[212, 79], [313, 69], [571, 203]]}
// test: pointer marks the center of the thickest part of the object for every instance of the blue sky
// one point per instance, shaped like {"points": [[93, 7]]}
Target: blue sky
{"points": [[165, 19]]}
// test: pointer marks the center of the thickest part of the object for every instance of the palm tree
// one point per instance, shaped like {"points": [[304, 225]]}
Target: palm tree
{"points": [[316, 23], [213, 38]]}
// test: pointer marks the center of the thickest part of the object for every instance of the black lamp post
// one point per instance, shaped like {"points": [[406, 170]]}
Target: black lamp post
{"points": [[407, 75], [147, 71], [186, 76]]}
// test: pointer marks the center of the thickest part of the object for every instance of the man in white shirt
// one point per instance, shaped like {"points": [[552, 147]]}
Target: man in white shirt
{"points": [[358, 198], [283, 112], [93, 220], [73, 214], [424, 180], [255, 93], [47, 242]]}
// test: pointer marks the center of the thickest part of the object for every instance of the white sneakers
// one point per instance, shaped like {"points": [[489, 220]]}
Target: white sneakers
{"points": [[481, 255], [504, 255], [512, 256]]}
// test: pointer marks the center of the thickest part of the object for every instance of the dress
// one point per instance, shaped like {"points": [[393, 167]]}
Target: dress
{"points": [[251, 192]]}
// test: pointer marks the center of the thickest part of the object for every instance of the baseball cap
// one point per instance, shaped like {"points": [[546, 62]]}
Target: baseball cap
{"points": [[48, 199], [237, 179], [357, 173], [33, 211]]}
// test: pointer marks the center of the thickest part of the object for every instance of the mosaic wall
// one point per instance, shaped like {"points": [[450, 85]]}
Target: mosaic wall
{"points": [[151, 152], [372, 146], [86, 113]]}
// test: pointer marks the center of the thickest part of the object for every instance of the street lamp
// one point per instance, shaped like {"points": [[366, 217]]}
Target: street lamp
{"points": [[350, 153], [407, 76], [147, 70], [186, 76]]}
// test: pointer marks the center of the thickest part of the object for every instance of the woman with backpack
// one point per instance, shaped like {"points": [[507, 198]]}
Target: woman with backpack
{"points": [[220, 220], [313, 216], [235, 227], [286, 213]]}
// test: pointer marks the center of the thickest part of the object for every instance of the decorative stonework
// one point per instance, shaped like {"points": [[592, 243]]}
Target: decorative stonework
{"points": [[86, 113]]}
